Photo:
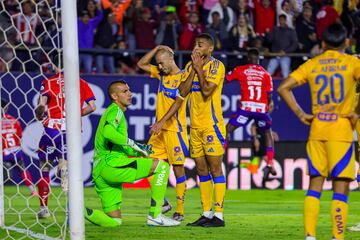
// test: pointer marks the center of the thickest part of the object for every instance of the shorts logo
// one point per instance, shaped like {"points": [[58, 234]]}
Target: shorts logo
{"points": [[177, 149], [242, 119], [50, 150], [262, 124], [209, 138], [211, 150], [179, 159]]}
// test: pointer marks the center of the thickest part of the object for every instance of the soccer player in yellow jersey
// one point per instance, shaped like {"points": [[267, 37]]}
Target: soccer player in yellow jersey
{"points": [[169, 138], [332, 77], [204, 80]]}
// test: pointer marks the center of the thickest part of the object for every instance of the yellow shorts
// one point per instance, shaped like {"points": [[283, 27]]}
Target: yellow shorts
{"points": [[170, 145], [207, 141], [331, 159]]}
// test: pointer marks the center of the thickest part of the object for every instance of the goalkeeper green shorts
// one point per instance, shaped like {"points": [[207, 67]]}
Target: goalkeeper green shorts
{"points": [[109, 183]]}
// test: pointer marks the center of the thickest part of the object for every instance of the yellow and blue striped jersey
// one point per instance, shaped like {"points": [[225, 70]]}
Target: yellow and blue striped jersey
{"points": [[207, 112], [332, 79], [167, 92]]}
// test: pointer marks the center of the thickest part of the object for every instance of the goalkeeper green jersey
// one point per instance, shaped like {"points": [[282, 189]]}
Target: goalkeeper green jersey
{"points": [[111, 141]]}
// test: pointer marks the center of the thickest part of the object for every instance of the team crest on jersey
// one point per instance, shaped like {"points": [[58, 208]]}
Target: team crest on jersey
{"points": [[209, 138]]}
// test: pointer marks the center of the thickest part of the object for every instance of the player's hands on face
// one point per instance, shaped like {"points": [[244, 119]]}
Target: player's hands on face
{"points": [[306, 118], [156, 127], [164, 47], [197, 61]]}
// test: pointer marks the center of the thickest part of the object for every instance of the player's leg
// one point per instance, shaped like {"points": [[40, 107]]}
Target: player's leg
{"points": [[202, 169], [24, 173], [215, 163], [240, 118], [111, 198], [317, 169], [341, 170], [339, 207], [180, 189], [47, 152], [159, 151], [177, 149], [213, 146]]}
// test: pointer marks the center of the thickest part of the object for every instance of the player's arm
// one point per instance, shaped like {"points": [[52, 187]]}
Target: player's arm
{"points": [[285, 91], [156, 127], [144, 62], [40, 109], [90, 107], [111, 133], [271, 102], [206, 87], [185, 86]]}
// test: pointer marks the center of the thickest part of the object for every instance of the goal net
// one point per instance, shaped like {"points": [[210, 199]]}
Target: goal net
{"points": [[30, 46]]}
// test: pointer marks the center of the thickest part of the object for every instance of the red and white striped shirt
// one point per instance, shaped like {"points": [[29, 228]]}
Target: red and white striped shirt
{"points": [[26, 26]]}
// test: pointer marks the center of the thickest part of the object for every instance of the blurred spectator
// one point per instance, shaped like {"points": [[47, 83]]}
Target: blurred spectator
{"points": [[190, 31], [168, 31], [105, 38], [118, 8], [187, 7], [124, 62], [241, 35], [287, 8], [132, 12], [242, 8], [227, 15], [86, 30], [92, 9], [326, 16], [144, 29], [283, 40], [217, 30], [306, 32], [29, 29], [264, 16], [207, 6]]}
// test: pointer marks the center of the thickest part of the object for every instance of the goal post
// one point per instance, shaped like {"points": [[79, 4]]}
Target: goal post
{"points": [[73, 121], [30, 39]]}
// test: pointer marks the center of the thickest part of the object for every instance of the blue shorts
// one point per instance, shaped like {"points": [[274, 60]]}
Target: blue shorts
{"points": [[52, 145], [241, 118], [15, 157]]}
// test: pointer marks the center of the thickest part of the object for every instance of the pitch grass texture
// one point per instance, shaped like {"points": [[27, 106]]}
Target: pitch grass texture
{"points": [[256, 214]]}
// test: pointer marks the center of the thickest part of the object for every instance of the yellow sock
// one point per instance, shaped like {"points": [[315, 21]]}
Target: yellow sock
{"points": [[219, 190], [206, 192], [339, 213], [150, 179], [180, 194], [311, 212]]}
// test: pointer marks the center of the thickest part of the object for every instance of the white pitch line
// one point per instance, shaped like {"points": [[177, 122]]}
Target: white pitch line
{"points": [[240, 214], [31, 233]]}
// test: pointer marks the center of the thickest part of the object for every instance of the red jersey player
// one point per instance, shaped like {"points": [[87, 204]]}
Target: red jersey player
{"points": [[256, 93], [11, 133], [52, 146]]}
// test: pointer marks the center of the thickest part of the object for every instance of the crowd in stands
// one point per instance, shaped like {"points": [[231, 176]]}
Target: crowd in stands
{"points": [[276, 27]]}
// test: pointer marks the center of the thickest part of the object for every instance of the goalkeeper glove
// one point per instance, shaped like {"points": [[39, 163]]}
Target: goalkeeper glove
{"points": [[143, 149]]}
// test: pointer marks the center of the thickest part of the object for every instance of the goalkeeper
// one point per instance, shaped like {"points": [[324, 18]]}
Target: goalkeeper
{"points": [[112, 167]]}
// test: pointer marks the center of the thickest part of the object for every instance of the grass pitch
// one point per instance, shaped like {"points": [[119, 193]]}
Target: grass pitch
{"points": [[256, 214]]}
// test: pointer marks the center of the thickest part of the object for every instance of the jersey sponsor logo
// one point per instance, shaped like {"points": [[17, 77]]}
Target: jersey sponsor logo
{"points": [[327, 117], [211, 150]]}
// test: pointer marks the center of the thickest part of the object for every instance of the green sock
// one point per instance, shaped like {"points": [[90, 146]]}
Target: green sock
{"points": [[100, 218], [158, 188]]}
